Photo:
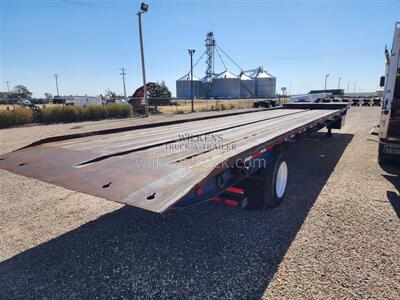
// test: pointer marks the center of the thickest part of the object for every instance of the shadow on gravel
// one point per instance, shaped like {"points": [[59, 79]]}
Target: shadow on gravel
{"points": [[394, 178], [208, 251]]}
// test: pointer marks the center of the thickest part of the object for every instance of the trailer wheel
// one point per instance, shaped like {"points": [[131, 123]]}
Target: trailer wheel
{"points": [[268, 188], [276, 178]]}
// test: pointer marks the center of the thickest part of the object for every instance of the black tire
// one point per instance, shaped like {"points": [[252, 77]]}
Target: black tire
{"points": [[261, 189], [272, 197]]}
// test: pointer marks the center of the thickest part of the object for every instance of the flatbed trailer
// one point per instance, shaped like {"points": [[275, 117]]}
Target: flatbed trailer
{"points": [[180, 163]]}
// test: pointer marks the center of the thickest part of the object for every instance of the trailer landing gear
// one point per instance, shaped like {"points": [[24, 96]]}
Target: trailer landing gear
{"points": [[329, 132]]}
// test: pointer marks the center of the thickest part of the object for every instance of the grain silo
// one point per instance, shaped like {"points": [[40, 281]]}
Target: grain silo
{"points": [[226, 85], [254, 83], [183, 87], [265, 84], [247, 86]]}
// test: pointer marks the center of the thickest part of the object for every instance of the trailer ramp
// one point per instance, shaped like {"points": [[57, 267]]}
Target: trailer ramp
{"points": [[153, 168]]}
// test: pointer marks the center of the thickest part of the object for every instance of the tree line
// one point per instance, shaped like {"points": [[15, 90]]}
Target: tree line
{"points": [[22, 92]]}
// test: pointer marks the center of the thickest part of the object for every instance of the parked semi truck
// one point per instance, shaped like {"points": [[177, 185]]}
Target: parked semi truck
{"points": [[389, 128], [238, 158]]}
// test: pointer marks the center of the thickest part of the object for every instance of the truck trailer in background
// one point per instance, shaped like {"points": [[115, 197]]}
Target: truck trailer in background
{"points": [[309, 97], [389, 128], [83, 100]]}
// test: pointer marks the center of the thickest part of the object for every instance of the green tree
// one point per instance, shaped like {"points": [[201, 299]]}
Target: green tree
{"points": [[48, 96], [111, 95], [161, 91], [22, 91], [4, 95]]}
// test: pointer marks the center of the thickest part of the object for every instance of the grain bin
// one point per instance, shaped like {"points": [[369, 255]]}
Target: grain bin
{"points": [[183, 89], [265, 84], [206, 89], [226, 85], [247, 86]]}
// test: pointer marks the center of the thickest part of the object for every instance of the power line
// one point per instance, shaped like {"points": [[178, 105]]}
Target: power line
{"points": [[195, 64], [219, 55], [79, 3], [198, 60], [123, 80], [218, 47]]}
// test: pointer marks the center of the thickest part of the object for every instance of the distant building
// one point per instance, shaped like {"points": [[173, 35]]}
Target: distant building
{"points": [[226, 85], [61, 99], [183, 87], [255, 83], [84, 101], [77, 100]]}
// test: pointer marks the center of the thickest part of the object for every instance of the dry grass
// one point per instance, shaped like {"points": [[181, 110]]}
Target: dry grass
{"points": [[204, 105], [207, 105], [182, 107], [10, 107]]}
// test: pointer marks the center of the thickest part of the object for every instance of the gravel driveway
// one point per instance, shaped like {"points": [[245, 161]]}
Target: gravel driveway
{"points": [[337, 235]]}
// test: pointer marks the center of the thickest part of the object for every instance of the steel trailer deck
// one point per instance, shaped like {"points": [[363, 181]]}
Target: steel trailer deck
{"points": [[168, 165]]}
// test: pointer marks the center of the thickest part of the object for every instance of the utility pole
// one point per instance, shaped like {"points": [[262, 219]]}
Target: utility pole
{"points": [[326, 79], [143, 8], [191, 52], [123, 80], [56, 77], [8, 86], [348, 86], [340, 78], [354, 90]]}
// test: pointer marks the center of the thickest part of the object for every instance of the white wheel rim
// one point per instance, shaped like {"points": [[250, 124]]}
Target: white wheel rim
{"points": [[281, 179]]}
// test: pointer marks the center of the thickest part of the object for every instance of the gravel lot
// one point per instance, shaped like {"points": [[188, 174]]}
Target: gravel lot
{"points": [[337, 235]]}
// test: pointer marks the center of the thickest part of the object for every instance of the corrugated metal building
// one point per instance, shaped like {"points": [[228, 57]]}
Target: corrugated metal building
{"points": [[226, 85], [259, 84], [265, 84], [183, 88], [247, 86]]}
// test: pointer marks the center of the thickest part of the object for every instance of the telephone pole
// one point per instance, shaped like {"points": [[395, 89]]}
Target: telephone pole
{"points": [[326, 80], [191, 52], [56, 77], [8, 86], [143, 9], [123, 80]]}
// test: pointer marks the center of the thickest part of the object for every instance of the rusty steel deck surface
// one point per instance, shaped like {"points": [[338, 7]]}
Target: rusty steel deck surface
{"points": [[153, 168]]}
